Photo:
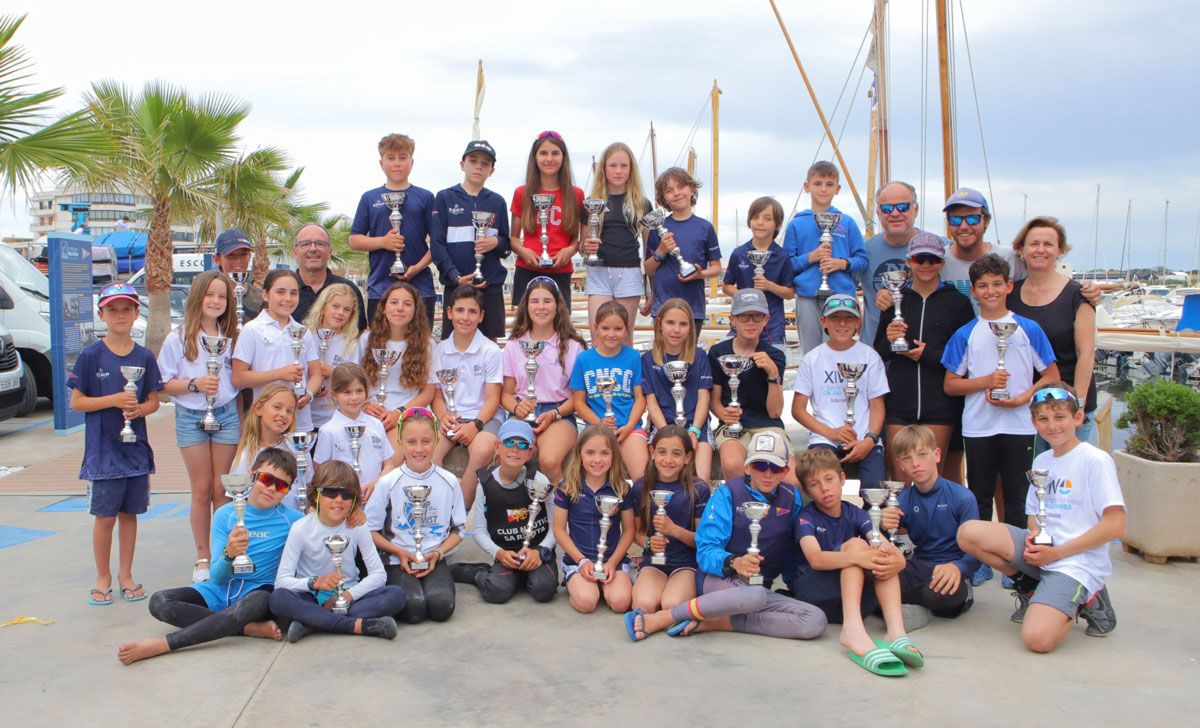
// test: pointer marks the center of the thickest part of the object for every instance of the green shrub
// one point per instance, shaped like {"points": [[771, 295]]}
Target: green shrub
{"points": [[1165, 417]]}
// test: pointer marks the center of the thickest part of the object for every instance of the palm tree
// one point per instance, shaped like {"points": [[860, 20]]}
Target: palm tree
{"points": [[169, 146], [70, 143]]}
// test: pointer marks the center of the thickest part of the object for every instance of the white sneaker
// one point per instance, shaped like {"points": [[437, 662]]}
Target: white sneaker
{"points": [[199, 575], [915, 616]]}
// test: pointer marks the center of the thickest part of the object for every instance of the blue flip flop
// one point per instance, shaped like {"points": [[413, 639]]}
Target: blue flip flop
{"points": [[126, 591], [629, 618], [678, 629], [97, 602]]}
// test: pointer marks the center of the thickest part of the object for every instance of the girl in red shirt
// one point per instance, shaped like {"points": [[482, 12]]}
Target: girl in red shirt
{"points": [[549, 172]]}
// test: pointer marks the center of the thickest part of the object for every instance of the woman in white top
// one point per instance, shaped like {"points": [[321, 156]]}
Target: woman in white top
{"points": [[335, 314], [183, 364], [399, 325]]}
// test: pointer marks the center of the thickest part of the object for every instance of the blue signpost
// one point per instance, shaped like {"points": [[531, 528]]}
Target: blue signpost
{"points": [[71, 325]]}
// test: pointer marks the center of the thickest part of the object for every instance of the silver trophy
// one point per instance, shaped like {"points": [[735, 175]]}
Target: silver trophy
{"points": [[851, 373], [531, 350], [1037, 478], [755, 511], [826, 221], [335, 544], [654, 220], [215, 347], [660, 498], [355, 432], [677, 372], [1003, 330], [300, 442], [893, 488], [239, 293], [417, 496], [605, 385], [238, 486], [448, 377], [297, 333], [323, 337], [875, 497], [607, 505], [733, 365], [894, 280], [594, 206], [482, 222], [542, 202], [759, 258], [132, 375], [394, 201], [539, 490], [385, 358]]}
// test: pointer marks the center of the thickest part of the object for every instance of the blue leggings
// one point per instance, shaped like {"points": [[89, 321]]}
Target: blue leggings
{"points": [[302, 607]]}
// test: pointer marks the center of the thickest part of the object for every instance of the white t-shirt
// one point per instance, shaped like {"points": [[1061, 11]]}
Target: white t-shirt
{"points": [[241, 466], [1082, 484], [266, 345], [957, 272], [971, 352], [481, 364], [398, 395], [322, 408], [173, 365], [445, 512], [818, 378], [374, 446], [305, 555]]}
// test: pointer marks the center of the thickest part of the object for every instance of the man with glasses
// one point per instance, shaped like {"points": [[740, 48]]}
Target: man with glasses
{"points": [[312, 252], [897, 209]]}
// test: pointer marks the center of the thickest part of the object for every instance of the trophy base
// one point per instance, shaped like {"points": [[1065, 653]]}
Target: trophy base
{"points": [[242, 569], [593, 260], [478, 281], [397, 271], [339, 610], [531, 418], [1043, 539], [734, 430], [899, 345], [1000, 394], [128, 438], [600, 575], [659, 559], [213, 426], [755, 580], [299, 391], [421, 565], [546, 262]]}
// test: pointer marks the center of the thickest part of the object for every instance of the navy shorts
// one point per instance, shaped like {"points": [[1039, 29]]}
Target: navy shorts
{"points": [[107, 498]]}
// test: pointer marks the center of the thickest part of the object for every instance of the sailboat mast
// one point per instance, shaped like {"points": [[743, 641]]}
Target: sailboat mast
{"points": [[716, 157], [885, 153], [653, 153], [949, 157], [1096, 232], [1166, 208]]}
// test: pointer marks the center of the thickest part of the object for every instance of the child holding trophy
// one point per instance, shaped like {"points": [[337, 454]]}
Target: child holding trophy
{"points": [[207, 442], [333, 320], [763, 264], [680, 255], [317, 584], [546, 211], [672, 362], [1075, 509], [370, 454], [418, 517], [542, 327], [399, 325]]}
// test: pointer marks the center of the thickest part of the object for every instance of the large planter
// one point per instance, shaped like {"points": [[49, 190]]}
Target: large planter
{"points": [[1159, 519]]}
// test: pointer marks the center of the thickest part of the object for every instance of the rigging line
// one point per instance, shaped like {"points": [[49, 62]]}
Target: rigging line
{"points": [[924, 98], [845, 84], [979, 120], [687, 144], [853, 100], [642, 154]]}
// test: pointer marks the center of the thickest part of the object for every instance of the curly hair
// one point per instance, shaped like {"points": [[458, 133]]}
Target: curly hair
{"points": [[414, 364]]}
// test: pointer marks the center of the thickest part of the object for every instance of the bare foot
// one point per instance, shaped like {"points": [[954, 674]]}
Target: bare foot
{"points": [[268, 630], [654, 622], [131, 652], [857, 641]]}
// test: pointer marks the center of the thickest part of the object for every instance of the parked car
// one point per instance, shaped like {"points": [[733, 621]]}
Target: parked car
{"points": [[18, 392], [179, 296]]}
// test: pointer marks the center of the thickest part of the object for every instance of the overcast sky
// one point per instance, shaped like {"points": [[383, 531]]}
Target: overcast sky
{"points": [[1072, 94]]}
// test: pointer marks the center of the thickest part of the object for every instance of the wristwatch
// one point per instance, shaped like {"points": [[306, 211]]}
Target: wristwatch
{"points": [[192, 385], [312, 583], [874, 436], [775, 380], [727, 569], [478, 424]]}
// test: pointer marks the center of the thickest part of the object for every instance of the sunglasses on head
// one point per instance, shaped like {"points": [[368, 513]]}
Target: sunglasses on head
{"points": [[926, 259], [515, 442], [897, 207], [755, 316], [836, 303], [956, 220], [554, 134], [423, 411], [1052, 394], [342, 493], [272, 481], [545, 279], [764, 467]]}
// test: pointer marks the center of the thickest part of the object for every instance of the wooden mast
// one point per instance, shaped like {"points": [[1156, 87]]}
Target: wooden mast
{"points": [[949, 156], [716, 94], [653, 154]]}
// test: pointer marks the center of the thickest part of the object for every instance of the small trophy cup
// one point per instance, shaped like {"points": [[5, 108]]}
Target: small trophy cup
{"points": [[733, 365], [238, 485], [851, 373], [1037, 478], [605, 385], [323, 337], [482, 222], [1003, 330], [239, 292], [300, 442], [335, 544], [448, 377], [654, 220], [417, 495], [542, 202], [826, 221], [132, 375], [755, 511], [354, 432], [759, 258], [594, 207], [386, 358], [607, 505], [215, 347], [539, 490], [531, 350], [297, 333], [677, 372], [893, 488], [660, 498], [874, 497], [894, 280], [394, 201]]}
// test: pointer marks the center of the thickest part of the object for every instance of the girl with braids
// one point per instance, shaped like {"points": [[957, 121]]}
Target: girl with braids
{"points": [[548, 171], [399, 325]]}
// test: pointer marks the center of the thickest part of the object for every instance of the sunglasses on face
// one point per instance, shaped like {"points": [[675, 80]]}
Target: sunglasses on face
{"points": [[926, 259], [272, 481], [1052, 394], [956, 220], [341, 493], [756, 317], [424, 411], [768, 467], [897, 207], [515, 442]]}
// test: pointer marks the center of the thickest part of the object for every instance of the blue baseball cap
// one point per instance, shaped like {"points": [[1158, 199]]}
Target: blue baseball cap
{"points": [[116, 291], [231, 240], [515, 427], [967, 196]]}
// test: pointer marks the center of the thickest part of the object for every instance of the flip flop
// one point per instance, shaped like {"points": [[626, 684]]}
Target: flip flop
{"points": [[98, 602], [902, 647], [127, 591], [629, 618], [880, 661], [680, 629]]}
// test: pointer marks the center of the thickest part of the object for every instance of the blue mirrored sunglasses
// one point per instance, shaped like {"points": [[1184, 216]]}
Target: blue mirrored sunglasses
{"points": [[956, 220], [1052, 394], [515, 442], [898, 207]]}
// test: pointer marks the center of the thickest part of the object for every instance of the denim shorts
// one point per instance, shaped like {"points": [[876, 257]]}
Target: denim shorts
{"points": [[615, 282], [547, 406], [187, 426]]}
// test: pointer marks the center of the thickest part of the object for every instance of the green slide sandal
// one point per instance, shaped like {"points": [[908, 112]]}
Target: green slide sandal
{"points": [[904, 649], [880, 661]]}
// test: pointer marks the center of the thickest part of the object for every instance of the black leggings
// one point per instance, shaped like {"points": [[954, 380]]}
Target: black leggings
{"points": [[430, 596], [302, 606], [185, 607], [1008, 456], [498, 584]]}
